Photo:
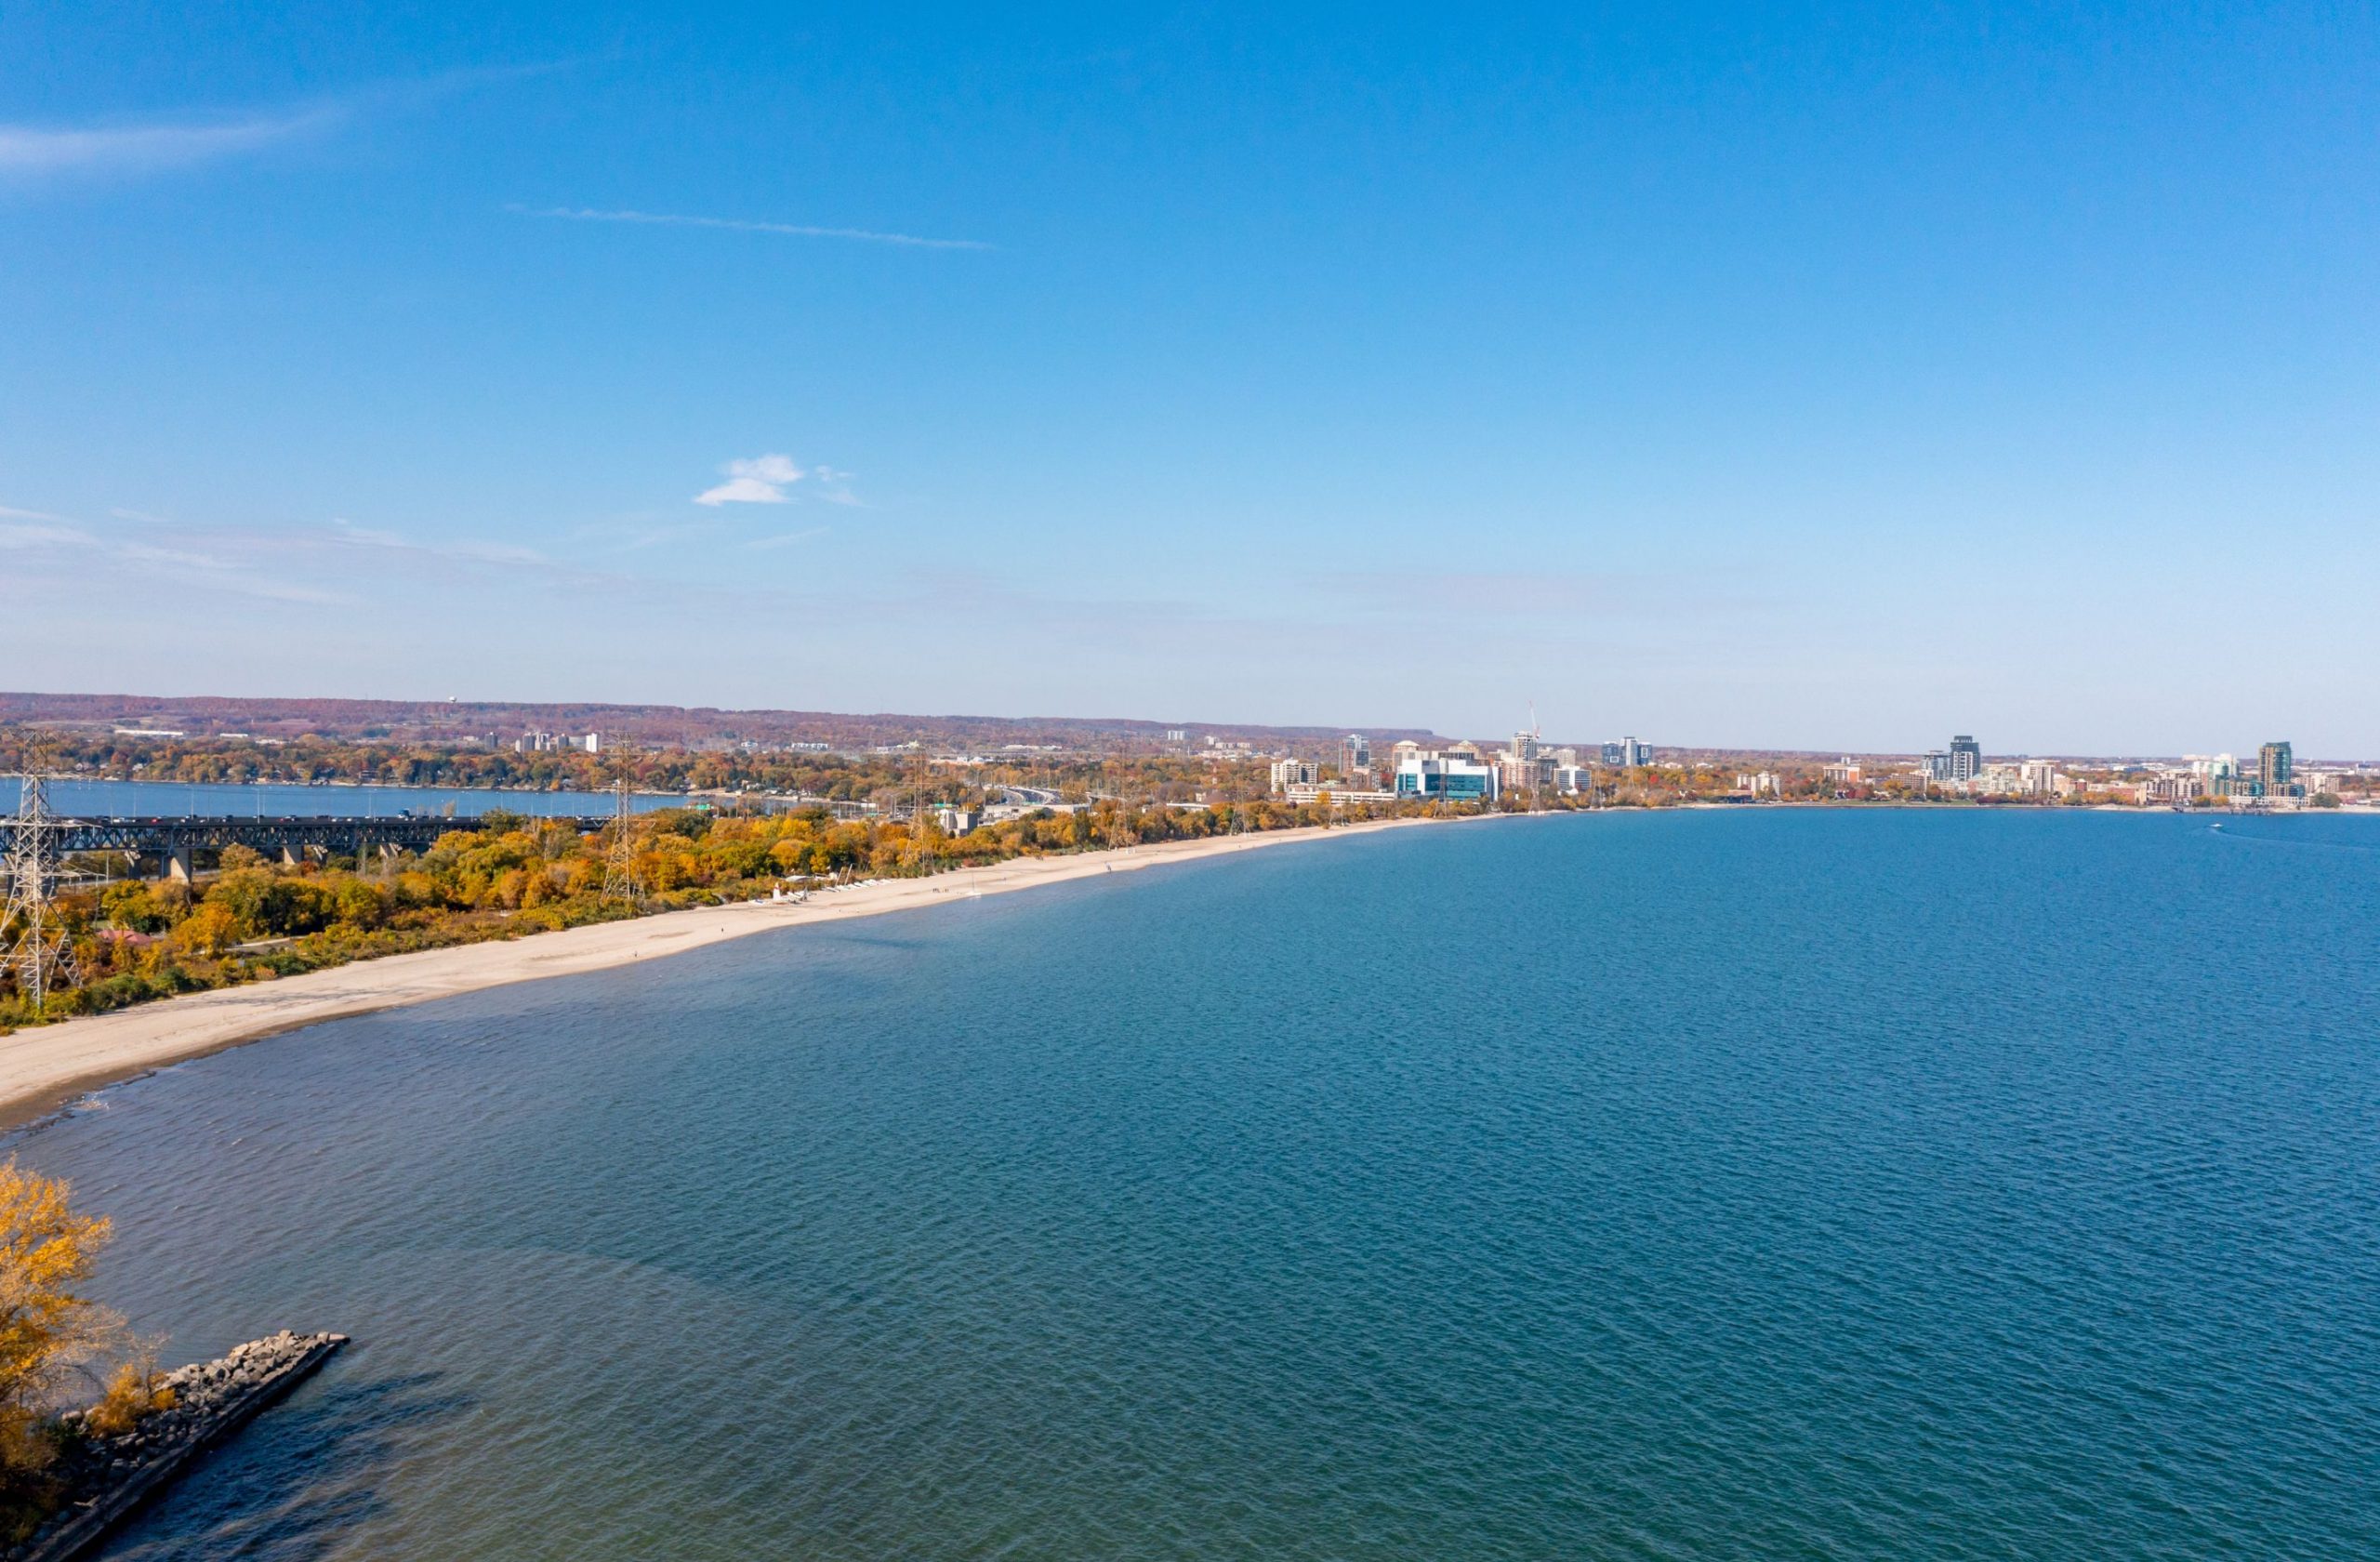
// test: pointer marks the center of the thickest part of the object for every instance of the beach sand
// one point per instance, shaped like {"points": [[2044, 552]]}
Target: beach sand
{"points": [[44, 1067]]}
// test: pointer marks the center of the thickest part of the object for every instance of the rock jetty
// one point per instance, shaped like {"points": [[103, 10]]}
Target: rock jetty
{"points": [[106, 1478]]}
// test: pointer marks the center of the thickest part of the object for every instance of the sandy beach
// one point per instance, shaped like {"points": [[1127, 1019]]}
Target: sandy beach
{"points": [[44, 1067]]}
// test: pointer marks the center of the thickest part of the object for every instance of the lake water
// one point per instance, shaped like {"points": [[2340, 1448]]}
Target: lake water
{"points": [[1846, 1184], [176, 799]]}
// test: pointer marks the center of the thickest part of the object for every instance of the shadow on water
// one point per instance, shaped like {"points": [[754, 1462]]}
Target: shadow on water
{"points": [[297, 1481]]}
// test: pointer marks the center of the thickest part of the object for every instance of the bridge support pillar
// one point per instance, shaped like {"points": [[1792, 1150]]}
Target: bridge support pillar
{"points": [[291, 856], [177, 864]]}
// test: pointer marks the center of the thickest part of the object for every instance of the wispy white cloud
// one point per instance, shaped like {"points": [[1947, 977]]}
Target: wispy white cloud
{"points": [[737, 225], [24, 535], [469, 551], [787, 539], [143, 145], [82, 551], [26, 148], [1548, 595], [761, 480]]}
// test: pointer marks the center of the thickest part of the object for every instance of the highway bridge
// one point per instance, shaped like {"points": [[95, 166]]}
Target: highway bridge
{"points": [[173, 842]]}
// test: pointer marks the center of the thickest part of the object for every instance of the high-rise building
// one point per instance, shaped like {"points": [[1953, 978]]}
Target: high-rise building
{"points": [[1354, 755], [1525, 773], [1966, 758], [2273, 769], [1291, 772], [1628, 754]]}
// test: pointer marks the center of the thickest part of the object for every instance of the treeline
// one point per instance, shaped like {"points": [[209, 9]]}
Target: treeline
{"points": [[254, 920], [844, 778]]}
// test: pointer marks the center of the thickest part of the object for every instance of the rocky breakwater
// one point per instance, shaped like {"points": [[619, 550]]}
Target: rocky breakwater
{"points": [[106, 1478]]}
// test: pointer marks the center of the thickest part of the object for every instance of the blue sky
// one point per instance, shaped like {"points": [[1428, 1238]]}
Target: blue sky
{"points": [[1816, 377]]}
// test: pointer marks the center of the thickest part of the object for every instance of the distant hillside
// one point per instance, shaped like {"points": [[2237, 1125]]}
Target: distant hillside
{"points": [[426, 720]]}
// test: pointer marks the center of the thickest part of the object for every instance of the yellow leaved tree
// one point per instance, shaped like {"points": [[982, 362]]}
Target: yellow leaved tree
{"points": [[49, 1332]]}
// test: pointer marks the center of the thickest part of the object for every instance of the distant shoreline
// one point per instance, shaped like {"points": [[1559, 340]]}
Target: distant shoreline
{"points": [[44, 1067]]}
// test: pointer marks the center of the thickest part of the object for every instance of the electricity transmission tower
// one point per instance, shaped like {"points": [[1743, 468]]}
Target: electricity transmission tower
{"points": [[39, 952], [621, 881]]}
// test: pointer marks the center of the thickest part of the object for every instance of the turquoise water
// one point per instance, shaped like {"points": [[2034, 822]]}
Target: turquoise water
{"points": [[1848, 1184]]}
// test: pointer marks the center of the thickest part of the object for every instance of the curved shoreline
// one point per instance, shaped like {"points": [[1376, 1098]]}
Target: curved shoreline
{"points": [[43, 1067]]}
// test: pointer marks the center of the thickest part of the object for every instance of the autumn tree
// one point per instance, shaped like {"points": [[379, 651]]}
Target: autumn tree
{"points": [[49, 1332]]}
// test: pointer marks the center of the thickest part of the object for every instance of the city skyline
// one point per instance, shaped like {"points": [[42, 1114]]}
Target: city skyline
{"points": [[1232, 368]]}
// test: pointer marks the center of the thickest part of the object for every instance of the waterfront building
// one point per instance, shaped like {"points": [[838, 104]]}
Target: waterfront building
{"points": [[1525, 773], [1935, 764], [1843, 772], [2273, 767], [1356, 755], [1628, 754], [1966, 758], [1611, 755], [1573, 778], [1308, 792], [1291, 773], [1757, 784], [1450, 778]]}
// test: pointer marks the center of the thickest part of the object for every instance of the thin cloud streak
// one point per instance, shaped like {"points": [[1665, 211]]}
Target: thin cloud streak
{"points": [[78, 548], [737, 225], [40, 149], [32, 149]]}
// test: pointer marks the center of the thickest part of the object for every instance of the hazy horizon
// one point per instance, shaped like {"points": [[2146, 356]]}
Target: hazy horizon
{"points": [[1812, 381]]}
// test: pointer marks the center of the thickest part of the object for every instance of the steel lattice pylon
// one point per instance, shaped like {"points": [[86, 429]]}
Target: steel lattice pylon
{"points": [[37, 947], [619, 866]]}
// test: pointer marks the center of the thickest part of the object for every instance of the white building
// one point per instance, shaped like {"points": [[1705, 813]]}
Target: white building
{"points": [[1308, 792], [1454, 777], [1291, 773]]}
